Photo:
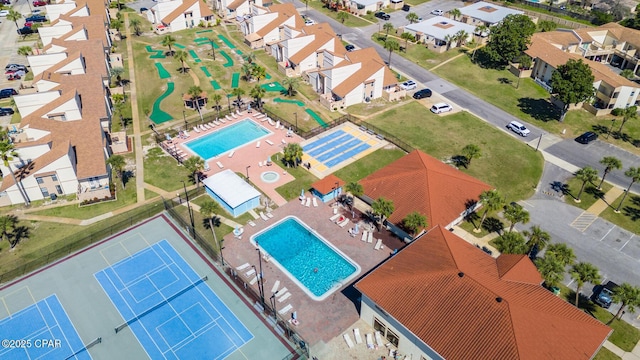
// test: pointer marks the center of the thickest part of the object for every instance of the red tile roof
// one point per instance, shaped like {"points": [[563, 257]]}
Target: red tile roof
{"points": [[419, 182], [328, 184], [465, 304]]}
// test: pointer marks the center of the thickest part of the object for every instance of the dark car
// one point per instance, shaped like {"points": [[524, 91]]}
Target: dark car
{"points": [[6, 111], [25, 30], [350, 47], [421, 94], [406, 7], [36, 18], [8, 92], [602, 294], [382, 15], [143, 9], [587, 137]]}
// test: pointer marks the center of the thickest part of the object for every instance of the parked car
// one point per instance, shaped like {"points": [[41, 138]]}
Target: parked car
{"points": [[8, 92], [36, 11], [5, 2], [25, 31], [350, 47], [518, 128], [437, 12], [38, 3], [308, 22], [602, 294], [441, 108], [421, 94], [36, 18], [18, 73], [6, 111], [15, 67], [406, 7], [143, 9], [382, 15], [4, 13], [408, 85], [587, 137]]}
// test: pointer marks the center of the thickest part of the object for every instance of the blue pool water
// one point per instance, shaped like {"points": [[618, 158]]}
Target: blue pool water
{"points": [[314, 264], [229, 138]]}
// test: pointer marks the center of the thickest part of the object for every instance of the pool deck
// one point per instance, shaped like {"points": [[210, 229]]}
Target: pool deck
{"points": [[248, 154], [320, 321]]}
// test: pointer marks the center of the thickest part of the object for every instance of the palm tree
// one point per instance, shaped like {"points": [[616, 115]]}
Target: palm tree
{"points": [[117, 73], [237, 92], [116, 24], [292, 154], [610, 163], [354, 188], [250, 58], [479, 30], [461, 37], [628, 296], [515, 214], [634, 174], [382, 208], [136, 25], [195, 92], [584, 272], [586, 174], [537, 239], [391, 45], [258, 72], [387, 27], [342, 16], [551, 269], [213, 49], [7, 152], [562, 252], [630, 113], [216, 98], [455, 13], [194, 165], [7, 223], [25, 50], [247, 69], [449, 39], [414, 221], [209, 209], [412, 17], [491, 200], [291, 83], [257, 93], [511, 243], [181, 56], [14, 16], [407, 36], [470, 152], [168, 41], [118, 163]]}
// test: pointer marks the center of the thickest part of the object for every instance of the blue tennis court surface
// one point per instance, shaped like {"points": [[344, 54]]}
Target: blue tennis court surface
{"points": [[46, 320], [335, 148], [170, 309]]}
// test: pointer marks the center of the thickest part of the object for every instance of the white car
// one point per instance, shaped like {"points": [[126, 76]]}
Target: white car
{"points": [[4, 13], [437, 12], [309, 22], [441, 108], [408, 85], [518, 128]]}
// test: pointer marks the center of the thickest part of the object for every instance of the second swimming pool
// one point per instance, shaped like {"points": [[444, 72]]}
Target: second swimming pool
{"points": [[226, 139]]}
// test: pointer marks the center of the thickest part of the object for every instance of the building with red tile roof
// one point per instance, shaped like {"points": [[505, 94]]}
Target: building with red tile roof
{"points": [[442, 298], [419, 182], [328, 188], [175, 15]]}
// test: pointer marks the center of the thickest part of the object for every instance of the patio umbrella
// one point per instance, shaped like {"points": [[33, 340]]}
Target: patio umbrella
{"points": [[355, 229]]}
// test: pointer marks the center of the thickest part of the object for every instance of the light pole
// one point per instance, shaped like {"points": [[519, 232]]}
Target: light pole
{"points": [[229, 102], [296, 115], [184, 117], [273, 304], [336, 194], [186, 195], [260, 278], [248, 166]]}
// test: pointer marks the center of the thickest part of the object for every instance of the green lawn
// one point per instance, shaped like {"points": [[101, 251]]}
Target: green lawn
{"points": [[164, 172], [202, 226], [303, 180], [418, 53], [629, 213], [589, 196], [124, 197], [606, 354], [352, 21], [242, 219], [366, 109], [506, 163], [362, 168]]}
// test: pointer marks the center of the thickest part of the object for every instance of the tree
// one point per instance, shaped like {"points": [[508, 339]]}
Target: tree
{"points": [[14, 16], [634, 174], [547, 25], [387, 27], [551, 269], [414, 221], [195, 92], [585, 175], [479, 31], [610, 163], [237, 92], [562, 252], [628, 296], [584, 272], [7, 224], [509, 39], [470, 152], [461, 37], [258, 72], [25, 50], [516, 214], [412, 18], [118, 163], [354, 188], [407, 37], [572, 83], [116, 24], [382, 209], [449, 39], [524, 63], [455, 13], [257, 93], [181, 56], [629, 113], [168, 41], [292, 154], [209, 209], [491, 200], [213, 48], [536, 239], [216, 98], [247, 70], [627, 74], [250, 58], [291, 83], [194, 164], [136, 25], [391, 45], [117, 98], [7, 152], [342, 16], [511, 243], [117, 73]]}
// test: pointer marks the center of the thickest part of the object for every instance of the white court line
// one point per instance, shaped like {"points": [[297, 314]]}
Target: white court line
{"points": [[605, 235]]}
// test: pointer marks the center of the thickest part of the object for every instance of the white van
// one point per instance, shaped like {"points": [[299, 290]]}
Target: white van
{"points": [[518, 128]]}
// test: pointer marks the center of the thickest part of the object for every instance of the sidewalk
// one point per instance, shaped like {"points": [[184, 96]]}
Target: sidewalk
{"points": [[602, 204], [633, 355]]}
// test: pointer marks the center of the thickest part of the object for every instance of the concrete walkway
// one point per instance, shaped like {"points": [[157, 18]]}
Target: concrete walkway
{"points": [[633, 355], [602, 204]]}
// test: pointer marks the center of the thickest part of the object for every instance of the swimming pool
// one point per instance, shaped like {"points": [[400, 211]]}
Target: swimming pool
{"points": [[229, 138], [314, 264]]}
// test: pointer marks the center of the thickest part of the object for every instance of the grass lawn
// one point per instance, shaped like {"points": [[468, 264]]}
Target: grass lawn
{"points": [[417, 53], [202, 226], [242, 219], [606, 354], [163, 171], [303, 180], [589, 196], [366, 109], [506, 163], [352, 21], [148, 194], [629, 213], [362, 168]]}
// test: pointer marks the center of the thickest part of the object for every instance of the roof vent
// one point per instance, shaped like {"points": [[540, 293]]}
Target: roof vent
{"points": [[460, 274], [499, 299]]}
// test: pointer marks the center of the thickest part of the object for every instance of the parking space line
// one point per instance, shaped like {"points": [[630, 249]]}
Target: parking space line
{"points": [[528, 204], [605, 235], [625, 244]]}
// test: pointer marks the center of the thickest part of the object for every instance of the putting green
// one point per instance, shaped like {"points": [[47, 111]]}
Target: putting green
{"points": [[272, 87], [157, 115], [267, 76], [157, 54], [205, 70], [194, 56], [203, 31], [229, 59], [297, 102], [235, 80], [179, 46], [215, 85], [316, 117], [238, 52], [162, 72], [226, 41]]}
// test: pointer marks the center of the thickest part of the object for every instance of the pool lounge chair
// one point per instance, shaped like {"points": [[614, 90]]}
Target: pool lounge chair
{"points": [[217, 122], [223, 120], [275, 287], [308, 202], [269, 142], [356, 335], [250, 272], [220, 165], [258, 144], [303, 200], [344, 223], [260, 116], [378, 244], [235, 116], [254, 280], [284, 142], [370, 238], [263, 216], [369, 338], [285, 309], [242, 267], [379, 339], [334, 217], [269, 215], [205, 127], [251, 223], [231, 153], [284, 297], [315, 202], [195, 128], [365, 233], [282, 291], [206, 166], [271, 122], [347, 339], [185, 134]]}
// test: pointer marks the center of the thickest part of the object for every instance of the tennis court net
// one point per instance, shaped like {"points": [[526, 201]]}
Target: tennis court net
{"points": [[160, 304]]}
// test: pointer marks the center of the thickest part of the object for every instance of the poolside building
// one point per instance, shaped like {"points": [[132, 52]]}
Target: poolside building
{"points": [[327, 188], [441, 297], [234, 194]]}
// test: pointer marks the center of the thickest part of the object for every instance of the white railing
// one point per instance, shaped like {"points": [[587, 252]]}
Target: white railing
{"points": [[544, 85]]}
